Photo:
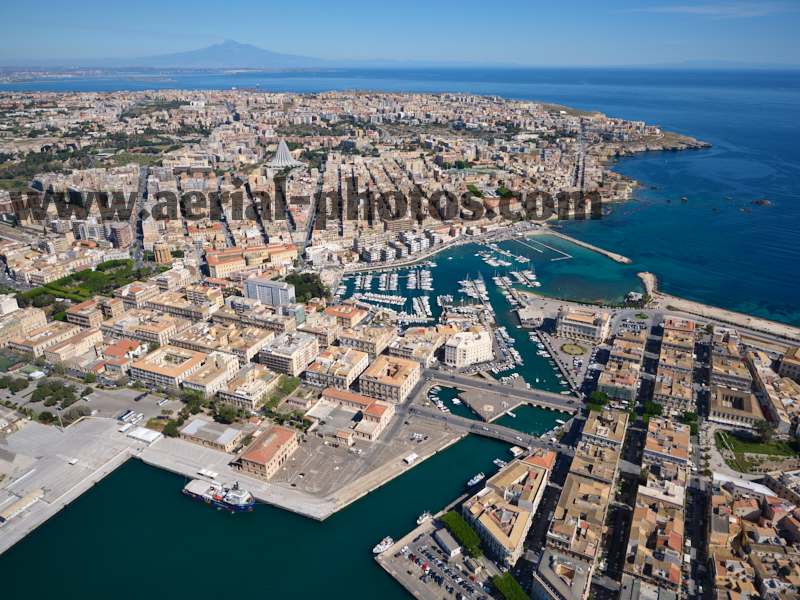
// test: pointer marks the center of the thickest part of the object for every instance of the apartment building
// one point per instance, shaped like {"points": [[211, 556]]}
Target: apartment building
{"points": [[36, 341], [421, 343], [249, 388], [204, 295], [86, 314], [790, 364], [322, 326], [337, 366], [468, 348], [779, 396], [372, 339], [347, 315], [502, 512], [619, 381], [22, 320], [579, 518], [251, 312], [167, 367], [85, 341], [269, 452], [135, 294], [144, 325], [667, 442], [390, 378], [673, 390], [243, 341], [606, 428], [176, 304], [290, 353], [218, 369]]}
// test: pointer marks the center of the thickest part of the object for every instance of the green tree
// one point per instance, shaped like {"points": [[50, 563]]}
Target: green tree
{"points": [[509, 587], [225, 414], [46, 417], [17, 385], [765, 430], [463, 533], [171, 429], [598, 397], [89, 378]]}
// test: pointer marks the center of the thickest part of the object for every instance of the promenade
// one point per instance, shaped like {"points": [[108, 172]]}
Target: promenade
{"points": [[778, 331]]}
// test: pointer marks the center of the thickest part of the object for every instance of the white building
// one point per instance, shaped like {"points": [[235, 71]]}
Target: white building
{"points": [[468, 348]]}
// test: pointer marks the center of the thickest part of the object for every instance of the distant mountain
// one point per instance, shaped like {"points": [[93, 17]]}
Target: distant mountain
{"points": [[227, 55]]}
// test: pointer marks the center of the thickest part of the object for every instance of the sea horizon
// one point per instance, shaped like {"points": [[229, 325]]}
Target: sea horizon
{"points": [[693, 221]]}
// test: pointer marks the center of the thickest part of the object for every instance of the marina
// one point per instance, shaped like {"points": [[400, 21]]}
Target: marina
{"points": [[467, 282]]}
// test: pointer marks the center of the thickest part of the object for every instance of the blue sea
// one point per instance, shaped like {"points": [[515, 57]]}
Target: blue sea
{"points": [[716, 246]]}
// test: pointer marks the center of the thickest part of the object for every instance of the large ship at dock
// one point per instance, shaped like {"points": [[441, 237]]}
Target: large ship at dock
{"points": [[231, 498]]}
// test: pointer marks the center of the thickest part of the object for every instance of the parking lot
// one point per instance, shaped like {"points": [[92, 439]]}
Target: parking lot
{"points": [[423, 568], [320, 467]]}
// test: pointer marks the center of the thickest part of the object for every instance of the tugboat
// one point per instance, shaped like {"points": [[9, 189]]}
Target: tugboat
{"points": [[476, 479], [383, 545], [426, 516], [230, 498]]}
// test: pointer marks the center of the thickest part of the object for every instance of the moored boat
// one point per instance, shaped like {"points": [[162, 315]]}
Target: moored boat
{"points": [[231, 498], [383, 545], [426, 516], [476, 479]]}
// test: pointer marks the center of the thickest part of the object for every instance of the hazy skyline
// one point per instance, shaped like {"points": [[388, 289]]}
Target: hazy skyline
{"points": [[575, 33]]}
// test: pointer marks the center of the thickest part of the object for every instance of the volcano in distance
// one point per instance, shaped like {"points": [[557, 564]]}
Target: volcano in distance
{"points": [[226, 55]]}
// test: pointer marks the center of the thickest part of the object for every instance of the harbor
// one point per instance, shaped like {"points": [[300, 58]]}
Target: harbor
{"points": [[487, 279], [391, 510]]}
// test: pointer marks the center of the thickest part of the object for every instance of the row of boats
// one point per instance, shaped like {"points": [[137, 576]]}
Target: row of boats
{"points": [[388, 282], [433, 397], [420, 279], [474, 288], [503, 252]]}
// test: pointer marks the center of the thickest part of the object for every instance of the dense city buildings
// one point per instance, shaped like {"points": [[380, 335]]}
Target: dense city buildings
{"points": [[302, 353]]}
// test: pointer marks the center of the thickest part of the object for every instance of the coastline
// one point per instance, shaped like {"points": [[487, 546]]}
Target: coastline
{"points": [[786, 332], [724, 316]]}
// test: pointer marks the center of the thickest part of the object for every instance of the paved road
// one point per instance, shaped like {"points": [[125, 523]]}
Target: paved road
{"points": [[541, 397], [492, 430]]}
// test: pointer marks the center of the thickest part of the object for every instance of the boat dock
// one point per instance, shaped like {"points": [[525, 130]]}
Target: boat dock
{"points": [[612, 255]]}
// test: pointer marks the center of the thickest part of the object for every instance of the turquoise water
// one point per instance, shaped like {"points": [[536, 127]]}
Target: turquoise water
{"points": [[531, 420], [584, 276], [717, 248], [447, 394]]}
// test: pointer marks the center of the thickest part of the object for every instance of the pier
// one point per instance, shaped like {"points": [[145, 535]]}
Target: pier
{"points": [[612, 255], [564, 255]]}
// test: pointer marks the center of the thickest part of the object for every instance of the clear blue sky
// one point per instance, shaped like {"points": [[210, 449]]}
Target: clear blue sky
{"points": [[613, 32]]}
